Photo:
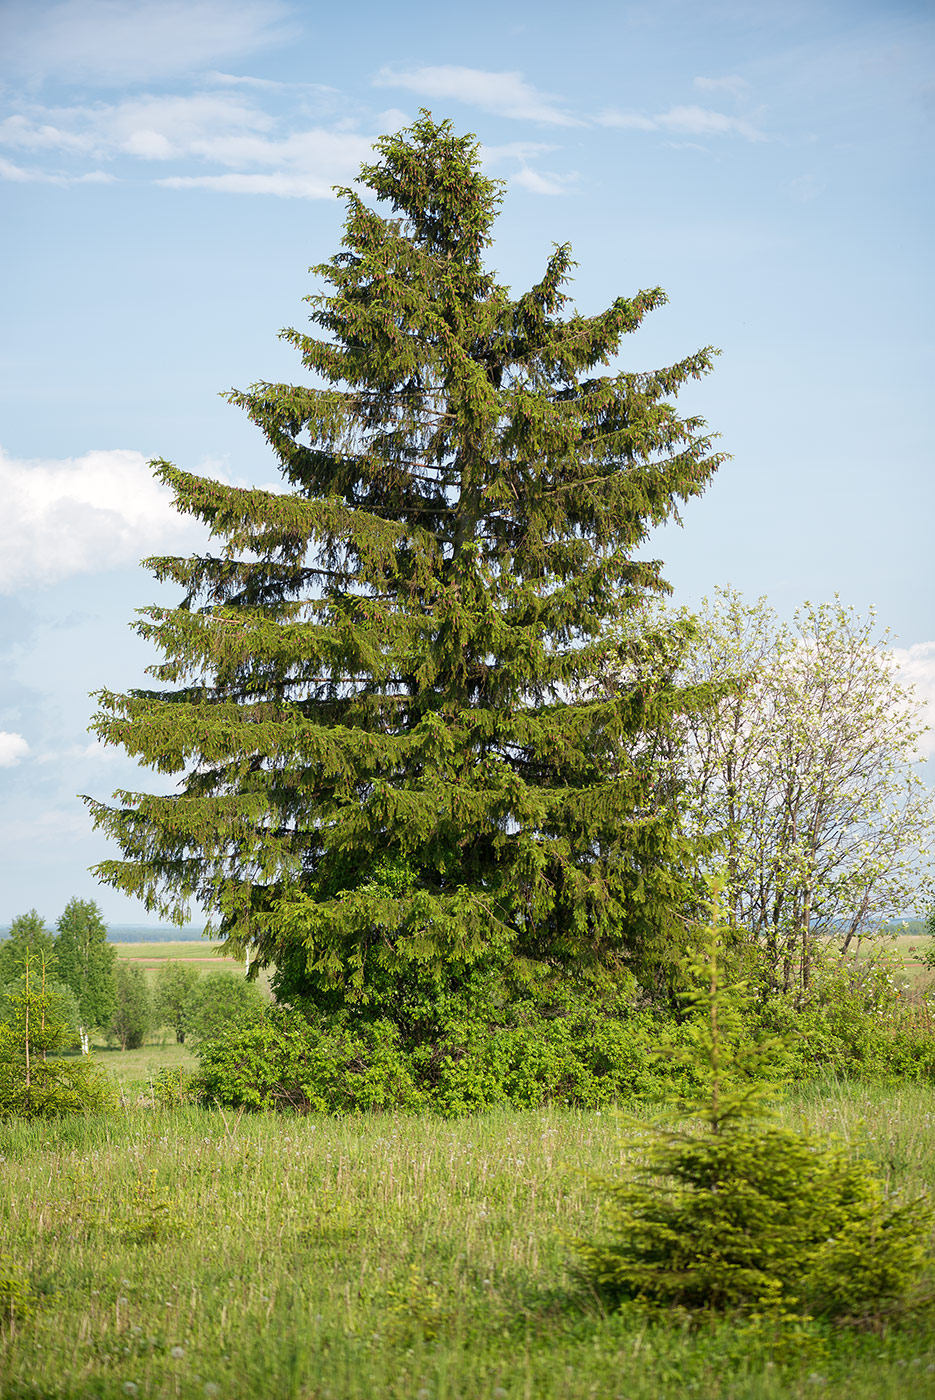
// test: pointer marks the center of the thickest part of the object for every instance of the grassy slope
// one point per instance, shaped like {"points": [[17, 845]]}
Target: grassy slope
{"points": [[390, 1257]]}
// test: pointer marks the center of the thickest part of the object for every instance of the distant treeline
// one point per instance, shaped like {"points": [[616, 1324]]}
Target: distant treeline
{"points": [[165, 933], [143, 933]]}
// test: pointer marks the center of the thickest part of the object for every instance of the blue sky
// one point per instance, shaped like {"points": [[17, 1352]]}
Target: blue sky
{"points": [[166, 170]]}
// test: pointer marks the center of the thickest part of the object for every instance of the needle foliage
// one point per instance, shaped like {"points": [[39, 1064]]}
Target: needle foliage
{"points": [[395, 783], [737, 1212]]}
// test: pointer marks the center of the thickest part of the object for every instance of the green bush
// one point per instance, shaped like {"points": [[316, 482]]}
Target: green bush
{"points": [[219, 999], [527, 1045], [740, 1214], [578, 1057], [854, 1020], [34, 1082], [757, 1217], [61, 1007]]}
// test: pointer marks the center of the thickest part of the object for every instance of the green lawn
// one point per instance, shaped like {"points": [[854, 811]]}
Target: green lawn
{"points": [[194, 1254]]}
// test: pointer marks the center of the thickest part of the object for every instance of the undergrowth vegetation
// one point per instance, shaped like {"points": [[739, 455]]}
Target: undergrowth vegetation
{"points": [[596, 1049]]}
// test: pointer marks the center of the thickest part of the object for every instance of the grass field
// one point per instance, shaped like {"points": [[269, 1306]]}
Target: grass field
{"points": [[204, 956], [190, 1254]]}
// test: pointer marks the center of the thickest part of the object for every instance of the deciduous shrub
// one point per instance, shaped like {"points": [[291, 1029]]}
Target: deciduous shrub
{"points": [[133, 1011], [528, 1059], [222, 998], [172, 995]]}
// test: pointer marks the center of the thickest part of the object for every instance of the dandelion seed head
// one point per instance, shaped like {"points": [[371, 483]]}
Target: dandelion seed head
{"points": [[177, 1353]]}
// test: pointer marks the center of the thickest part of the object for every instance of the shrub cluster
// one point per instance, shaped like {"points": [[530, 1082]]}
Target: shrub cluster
{"points": [[593, 1048]]}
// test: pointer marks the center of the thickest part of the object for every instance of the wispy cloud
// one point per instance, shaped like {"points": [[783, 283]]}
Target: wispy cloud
{"points": [[544, 182], [153, 127], [13, 748], [125, 41], [682, 121], [20, 175], [84, 515], [227, 130], [503, 94]]}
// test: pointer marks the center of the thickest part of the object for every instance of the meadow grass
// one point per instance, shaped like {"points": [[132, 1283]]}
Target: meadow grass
{"points": [[136, 1070], [190, 1253]]}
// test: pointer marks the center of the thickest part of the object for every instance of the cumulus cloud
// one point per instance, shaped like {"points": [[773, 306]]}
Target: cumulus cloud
{"points": [[13, 747], [503, 94], [916, 670], [125, 41], [683, 121], [83, 515]]}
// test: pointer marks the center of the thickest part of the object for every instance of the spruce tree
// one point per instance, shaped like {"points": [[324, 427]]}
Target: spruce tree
{"points": [[396, 777], [84, 961]]}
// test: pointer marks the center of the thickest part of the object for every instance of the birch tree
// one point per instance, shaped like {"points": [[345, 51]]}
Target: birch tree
{"points": [[808, 769]]}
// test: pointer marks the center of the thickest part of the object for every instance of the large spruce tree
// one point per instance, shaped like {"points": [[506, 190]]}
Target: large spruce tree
{"points": [[395, 773]]}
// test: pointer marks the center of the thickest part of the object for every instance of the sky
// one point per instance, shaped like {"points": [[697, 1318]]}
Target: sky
{"points": [[166, 175]]}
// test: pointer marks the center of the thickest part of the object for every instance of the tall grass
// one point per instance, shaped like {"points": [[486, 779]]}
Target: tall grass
{"points": [[187, 1253]]}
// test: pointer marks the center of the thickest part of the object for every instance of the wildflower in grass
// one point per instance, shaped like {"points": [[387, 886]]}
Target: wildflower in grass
{"points": [[177, 1353]]}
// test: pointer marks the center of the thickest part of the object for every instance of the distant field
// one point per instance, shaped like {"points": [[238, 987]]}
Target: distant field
{"points": [[203, 954]]}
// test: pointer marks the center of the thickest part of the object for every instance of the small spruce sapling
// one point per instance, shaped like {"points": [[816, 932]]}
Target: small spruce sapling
{"points": [[746, 1215]]}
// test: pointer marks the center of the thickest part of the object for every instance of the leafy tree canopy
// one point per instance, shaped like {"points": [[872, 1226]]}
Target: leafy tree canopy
{"points": [[84, 961], [30, 938], [395, 778]]}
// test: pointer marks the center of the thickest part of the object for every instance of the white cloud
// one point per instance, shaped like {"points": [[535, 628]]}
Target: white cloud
{"points": [[306, 165], [916, 669], [683, 121], [84, 515], [19, 175], [503, 94], [13, 747], [244, 80], [278, 183], [95, 752], [544, 183], [125, 41], [151, 127], [220, 129]]}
